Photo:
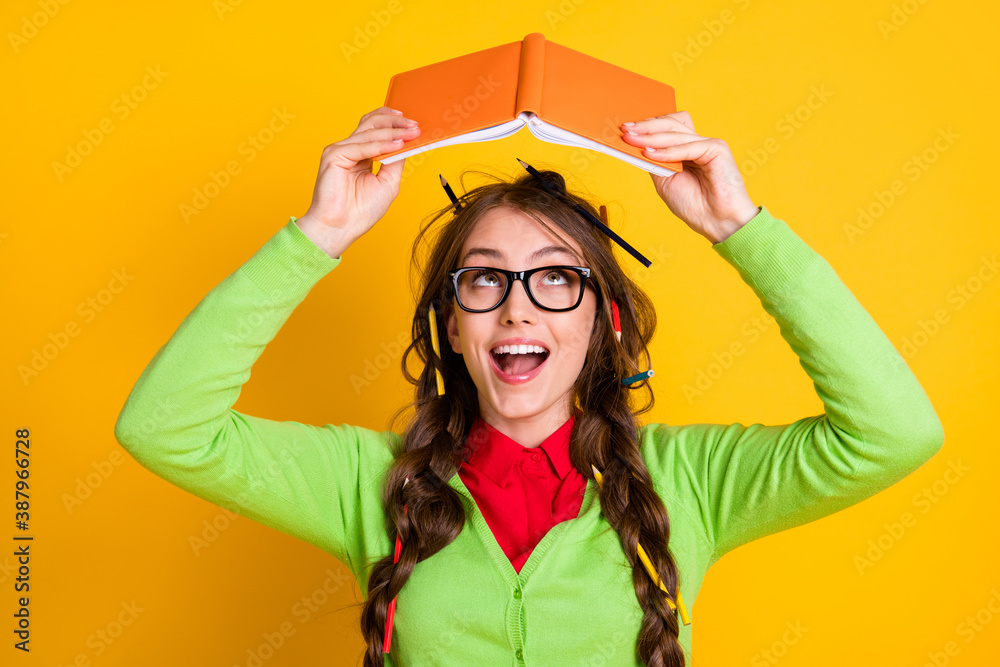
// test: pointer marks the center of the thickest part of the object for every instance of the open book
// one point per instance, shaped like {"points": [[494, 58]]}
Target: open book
{"points": [[563, 96]]}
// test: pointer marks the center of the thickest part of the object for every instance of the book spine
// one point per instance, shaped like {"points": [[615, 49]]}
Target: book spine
{"points": [[531, 74]]}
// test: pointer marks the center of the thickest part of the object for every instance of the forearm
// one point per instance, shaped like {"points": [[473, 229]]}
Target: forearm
{"points": [[181, 400], [868, 390]]}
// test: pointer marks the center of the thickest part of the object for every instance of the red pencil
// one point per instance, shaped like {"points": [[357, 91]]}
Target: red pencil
{"points": [[392, 605], [618, 324]]}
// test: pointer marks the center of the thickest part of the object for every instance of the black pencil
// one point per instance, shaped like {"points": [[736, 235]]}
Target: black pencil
{"points": [[451, 193], [585, 213]]}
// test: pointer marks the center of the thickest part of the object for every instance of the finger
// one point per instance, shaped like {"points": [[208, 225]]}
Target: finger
{"points": [[661, 124], [700, 151], [393, 129], [684, 117], [382, 110], [663, 139], [348, 154], [392, 172]]}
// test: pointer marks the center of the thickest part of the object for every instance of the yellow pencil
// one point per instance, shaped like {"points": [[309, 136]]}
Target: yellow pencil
{"points": [[650, 569], [437, 350]]}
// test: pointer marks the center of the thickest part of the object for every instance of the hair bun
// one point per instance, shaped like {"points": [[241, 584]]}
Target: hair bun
{"points": [[554, 179]]}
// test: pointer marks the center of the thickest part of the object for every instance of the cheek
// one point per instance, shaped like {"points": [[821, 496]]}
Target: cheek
{"points": [[576, 336]]}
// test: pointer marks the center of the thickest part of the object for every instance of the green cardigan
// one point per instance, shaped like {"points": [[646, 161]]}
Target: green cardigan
{"points": [[573, 603]]}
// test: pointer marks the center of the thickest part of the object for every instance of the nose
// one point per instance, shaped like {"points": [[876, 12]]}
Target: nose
{"points": [[517, 307]]}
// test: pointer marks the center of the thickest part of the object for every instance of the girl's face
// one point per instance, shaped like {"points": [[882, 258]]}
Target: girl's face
{"points": [[508, 239]]}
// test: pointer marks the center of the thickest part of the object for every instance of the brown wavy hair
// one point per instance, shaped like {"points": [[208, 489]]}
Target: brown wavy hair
{"points": [[605, 432]]}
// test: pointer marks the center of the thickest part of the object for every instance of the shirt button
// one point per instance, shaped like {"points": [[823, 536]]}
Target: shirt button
{"points": [[517, 593], [519, 654], [535, 457]]}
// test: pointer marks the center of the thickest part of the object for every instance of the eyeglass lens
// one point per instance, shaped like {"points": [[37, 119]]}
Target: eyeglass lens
{"points": [[552, 288]]}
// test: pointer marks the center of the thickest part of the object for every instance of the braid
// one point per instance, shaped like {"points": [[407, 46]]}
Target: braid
{"points": [[434, 514], [636, 512]]}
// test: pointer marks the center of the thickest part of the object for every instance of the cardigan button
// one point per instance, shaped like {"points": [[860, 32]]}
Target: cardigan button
{"points": [[517, 593], [519, 654]]}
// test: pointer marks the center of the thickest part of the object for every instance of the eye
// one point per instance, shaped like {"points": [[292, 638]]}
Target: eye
{"points": [[556, 277], [491, 279]]}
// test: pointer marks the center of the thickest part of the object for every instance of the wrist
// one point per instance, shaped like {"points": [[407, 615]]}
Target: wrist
{"points": [[330, 240], [730, 225]]}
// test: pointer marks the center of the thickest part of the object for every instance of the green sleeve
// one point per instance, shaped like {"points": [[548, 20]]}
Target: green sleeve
{"points": [[178, 420], [878, 426]]}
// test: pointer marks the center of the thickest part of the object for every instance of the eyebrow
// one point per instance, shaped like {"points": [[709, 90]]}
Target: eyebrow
{"points": [[493, 253]]}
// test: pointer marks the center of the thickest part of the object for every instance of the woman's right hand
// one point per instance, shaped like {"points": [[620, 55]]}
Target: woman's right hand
{"points": [[348, 198]]}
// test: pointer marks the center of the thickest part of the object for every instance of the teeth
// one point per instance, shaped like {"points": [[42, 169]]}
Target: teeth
{"points": [[519, 349]]}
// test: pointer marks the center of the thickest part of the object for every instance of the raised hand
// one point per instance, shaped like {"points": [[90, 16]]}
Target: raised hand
{"points": [[348, 198], [709, 194]]}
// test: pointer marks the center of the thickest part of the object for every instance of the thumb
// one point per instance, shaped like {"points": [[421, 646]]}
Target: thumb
{"points": [[392, 173]]}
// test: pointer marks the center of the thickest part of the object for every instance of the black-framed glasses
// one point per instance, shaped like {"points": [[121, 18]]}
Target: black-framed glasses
{"points": [[480, 289]]}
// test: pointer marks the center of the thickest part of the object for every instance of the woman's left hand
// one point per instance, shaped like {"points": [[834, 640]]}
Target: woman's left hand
{"points": [[709, 194]]}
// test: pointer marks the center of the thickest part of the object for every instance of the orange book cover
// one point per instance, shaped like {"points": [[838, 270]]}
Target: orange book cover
{"points": [[562, 95]]}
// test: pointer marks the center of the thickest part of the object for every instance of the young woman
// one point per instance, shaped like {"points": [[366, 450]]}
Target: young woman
{"points": [[588, 533]]}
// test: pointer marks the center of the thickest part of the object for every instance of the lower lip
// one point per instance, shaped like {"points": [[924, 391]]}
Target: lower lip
{"points": [[517, 379]]}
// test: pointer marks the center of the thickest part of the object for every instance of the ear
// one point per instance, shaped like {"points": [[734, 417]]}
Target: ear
{"points": [[451, 326]]}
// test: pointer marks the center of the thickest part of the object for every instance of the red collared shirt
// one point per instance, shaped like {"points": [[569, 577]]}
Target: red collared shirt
{"points": [[521, 491]]}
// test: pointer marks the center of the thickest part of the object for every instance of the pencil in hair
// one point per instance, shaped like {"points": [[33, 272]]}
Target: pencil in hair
{"points": [[451, 193]]}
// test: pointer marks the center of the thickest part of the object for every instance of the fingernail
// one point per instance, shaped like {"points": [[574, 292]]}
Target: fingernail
{"points": [[631, 132], [650, 149], [394, 110], [628, 124]]}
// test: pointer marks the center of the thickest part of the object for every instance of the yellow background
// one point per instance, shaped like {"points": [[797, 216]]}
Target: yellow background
{"points": [[64, 234]]}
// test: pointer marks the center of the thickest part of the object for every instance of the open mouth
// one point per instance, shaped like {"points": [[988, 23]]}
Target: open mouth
{"points": [[518, 361]]}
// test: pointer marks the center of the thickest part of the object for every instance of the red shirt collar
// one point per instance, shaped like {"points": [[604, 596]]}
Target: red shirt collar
{"points": [[494, 454]]}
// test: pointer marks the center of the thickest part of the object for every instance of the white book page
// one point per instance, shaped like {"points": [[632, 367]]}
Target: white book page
{"points": [[486, 134], [540, 129], [557, 135]]}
